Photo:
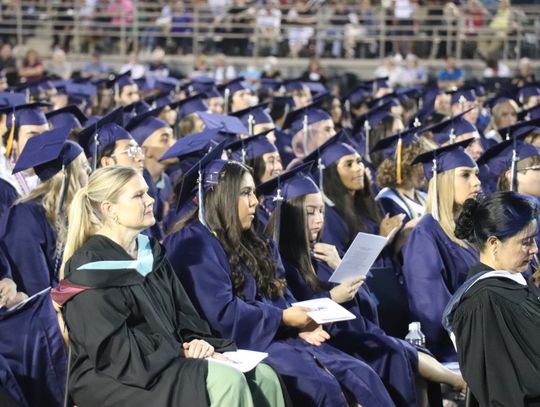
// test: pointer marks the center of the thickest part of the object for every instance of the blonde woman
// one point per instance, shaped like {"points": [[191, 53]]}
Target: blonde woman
{"points": [[504, 113], [32, 231], [136, 339], [436, 262]]}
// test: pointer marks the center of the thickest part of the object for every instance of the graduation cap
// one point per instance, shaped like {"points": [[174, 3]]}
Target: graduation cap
{"points": [[28, 114], [393, 146], [377, 84], [291, 85], [448, 130], [191, 144], [286, 187], [70, 116], [253, 115], [315, 87], [528, 91], [167, 84], [8, 99], [105, 131], [227, 124], [521, 129], [120, 81], [506, 155], [202, 177], [307, 115], [269, 85], [358, 95], [192, 104], [531, 113], [287, 102], [142, 126], [443, 159], [461, 95], [251, 147]]}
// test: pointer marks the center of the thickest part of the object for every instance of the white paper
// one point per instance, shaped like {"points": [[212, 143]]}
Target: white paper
{"points": [[361, 255], [23, 302], [325, 310], [243, 359]]}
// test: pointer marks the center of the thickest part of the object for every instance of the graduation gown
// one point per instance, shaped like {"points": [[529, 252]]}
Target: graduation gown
{"points": [[496, 323], [8, 195], [32, 355], [127, 328], [394, 204], [255, 323], [29, 242], [434, 267], [394, 360]]}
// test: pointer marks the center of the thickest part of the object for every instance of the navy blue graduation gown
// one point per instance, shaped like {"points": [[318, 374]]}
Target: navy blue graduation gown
{"points": [[434, 267], [29, 242], [5, 269], [254, 322], [8, 195], [31, 345], [394, 360]]}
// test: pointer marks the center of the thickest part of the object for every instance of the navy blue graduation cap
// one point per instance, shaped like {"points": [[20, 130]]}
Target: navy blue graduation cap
{"points": [[192, 104], [377, 83], [305, 116], [291, 85], [253, 115], [448, 130], [531, 113], [120, 81], [142, 126], [528, 91], [500, 157], [315, 87], [287, 102], [251, 147], [443, 159], [202, 177], [286, 187], [193, 143], [98, 136], [168, 84], [521, 129], [213, 92], [161, 99], [233, 86], [269, 85], [48, 153], [358, 95], [227, 124], [70, 116], [80, 92], [8, 99], [134, 109], [461, 95]]}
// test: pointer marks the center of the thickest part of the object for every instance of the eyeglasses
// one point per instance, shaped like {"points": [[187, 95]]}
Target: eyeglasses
{"points": [[531, 168], [132, 152]]}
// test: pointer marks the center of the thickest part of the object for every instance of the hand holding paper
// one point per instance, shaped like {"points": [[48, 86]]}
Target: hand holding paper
{"points": [[324, 310], [243, 359]]}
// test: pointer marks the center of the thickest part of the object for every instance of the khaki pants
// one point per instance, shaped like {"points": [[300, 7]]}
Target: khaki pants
{"points": [[228, 387]]}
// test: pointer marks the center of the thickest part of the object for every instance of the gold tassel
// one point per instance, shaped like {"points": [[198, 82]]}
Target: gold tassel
{"points": [[9, 144], [399, 150]]}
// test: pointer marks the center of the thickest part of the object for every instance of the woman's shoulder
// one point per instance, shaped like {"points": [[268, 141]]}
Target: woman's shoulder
{"points": [[27, 215]]}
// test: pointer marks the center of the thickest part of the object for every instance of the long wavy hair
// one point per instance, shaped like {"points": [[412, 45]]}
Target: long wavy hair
{"points": [[294, 243], [245, 249], [354, 209]]}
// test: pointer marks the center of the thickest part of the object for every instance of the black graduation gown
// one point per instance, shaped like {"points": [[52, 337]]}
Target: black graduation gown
{"points": [[126, 331], [497, 327]]}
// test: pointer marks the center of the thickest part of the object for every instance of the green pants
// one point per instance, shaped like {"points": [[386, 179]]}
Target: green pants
{"points": [[228, 387]]}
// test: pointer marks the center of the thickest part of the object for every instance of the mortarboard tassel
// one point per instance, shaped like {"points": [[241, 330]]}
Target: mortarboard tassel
{"points": [[226, 94], [367, 129], [95, 152], [278, 199], [9, 143], [435, 197], [321, 167], [452, 136], [251, 124], [513, 169], [399, 151], [305, 128], [417, 122], [200, 198], [63, 190]]}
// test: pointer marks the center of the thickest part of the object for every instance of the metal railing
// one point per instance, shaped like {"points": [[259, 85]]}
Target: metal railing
{"points": [[369, 32]]}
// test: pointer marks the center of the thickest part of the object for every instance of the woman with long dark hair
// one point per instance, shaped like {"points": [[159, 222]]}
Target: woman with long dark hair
{"points": [[235, 280], [300, 220], [495, 313]]}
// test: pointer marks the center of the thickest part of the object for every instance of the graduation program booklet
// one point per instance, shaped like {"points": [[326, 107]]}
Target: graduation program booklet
{"points": [[325, 310], [242, 359], [361, 255]]}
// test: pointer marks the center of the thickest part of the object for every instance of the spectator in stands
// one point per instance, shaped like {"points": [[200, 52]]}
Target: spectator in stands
{"points": [[391, 68], [223, 72], [412, 73], [181, 27], [525, 73], [200, 67], [237, 32], [32, 68], [157, 65], [503, 114], [270, 69], [500, 26], [314, 72], [137, 69], [301, 18], [404, 11], [8, 64], [268, 23], [96, 68], [334, 30], [451, 76], [59, 66], [496, 69]]}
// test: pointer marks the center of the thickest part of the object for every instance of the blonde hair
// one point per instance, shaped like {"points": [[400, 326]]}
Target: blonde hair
{"points": [[85, 216], [445, 196], [495, 121], [49, 194]]}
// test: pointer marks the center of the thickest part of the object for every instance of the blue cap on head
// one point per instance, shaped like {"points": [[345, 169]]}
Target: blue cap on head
{"points": [[192, 104], [331, 150], [28, 114], [70, 116], [462, 95], [358, 95], [389, 144], [292, 85], [121, 80], [234, 86], [168, 85], [251, 147], [8, 99], [447, 130], [521, 129], [227, 124], [194, 143], [258, 113], [269, 85], [528, 91], [295, 119], [142, 126], [498, 158], [48, 153]]}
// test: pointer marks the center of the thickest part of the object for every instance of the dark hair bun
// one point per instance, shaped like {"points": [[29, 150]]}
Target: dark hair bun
{"points": [[465, 222]]}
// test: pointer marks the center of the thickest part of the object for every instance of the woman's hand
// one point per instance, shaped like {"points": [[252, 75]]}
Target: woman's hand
{"points": [[316, 336], [197, 349], [9, 296], [296, 317], [327, 253], [346, 290], [390, 223]]}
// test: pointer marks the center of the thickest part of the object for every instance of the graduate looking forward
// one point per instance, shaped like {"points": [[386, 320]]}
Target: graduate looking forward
{"points": [[135, 337], [33, 231], [495, 313]]}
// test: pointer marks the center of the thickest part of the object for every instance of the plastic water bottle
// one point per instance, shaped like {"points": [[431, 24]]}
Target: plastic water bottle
{"points": [[415, 335]]}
